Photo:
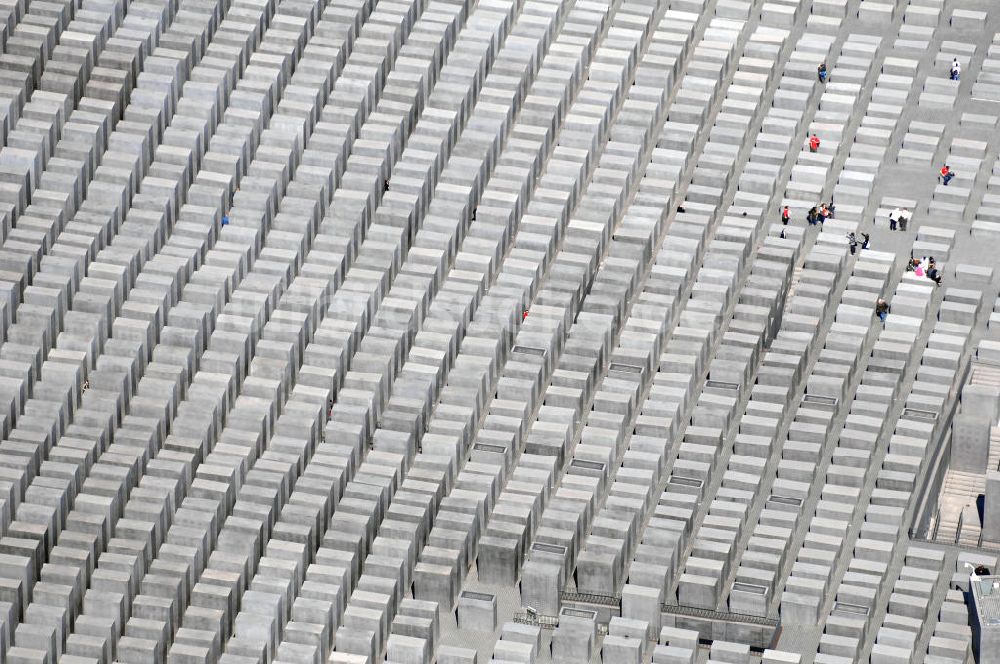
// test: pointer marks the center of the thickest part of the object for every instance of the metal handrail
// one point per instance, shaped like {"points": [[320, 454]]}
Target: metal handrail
{"points": [[992, 546], [545, 622], [680, 609], [590, 598], [726, 616]]}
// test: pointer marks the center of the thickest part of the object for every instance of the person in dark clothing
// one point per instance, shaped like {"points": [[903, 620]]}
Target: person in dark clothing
{"points": [[811, 216], [785, 215], [934, 275], [852, 243], [882, 310], [866, 241], [932, 271], [821, 72]]}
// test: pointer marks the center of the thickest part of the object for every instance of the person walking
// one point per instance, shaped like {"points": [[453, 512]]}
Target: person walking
{"points": [[956, 69], [882, 310], [852, 242], [821, 72], [867, 240], [904, 218], [893, 218], [814, 143], [946, 174], [785, 216]]}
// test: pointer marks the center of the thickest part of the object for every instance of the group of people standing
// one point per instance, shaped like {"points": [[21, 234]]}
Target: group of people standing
{"points": [[820, 213], [816, 215], [898, 217], [852, 241]]}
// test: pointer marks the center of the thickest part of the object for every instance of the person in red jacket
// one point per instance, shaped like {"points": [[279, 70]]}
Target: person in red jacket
{"points": [[946, 174], [785, 215], [814, 143]]}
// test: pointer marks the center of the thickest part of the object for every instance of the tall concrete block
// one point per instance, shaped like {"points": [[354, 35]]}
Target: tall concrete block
{"points": [[970, 442], [982, 400], [991, 511]]}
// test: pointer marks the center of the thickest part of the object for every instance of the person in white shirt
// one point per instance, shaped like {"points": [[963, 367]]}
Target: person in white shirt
{"points": [[956, 69]]}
